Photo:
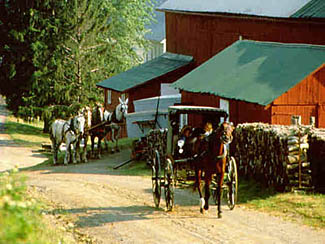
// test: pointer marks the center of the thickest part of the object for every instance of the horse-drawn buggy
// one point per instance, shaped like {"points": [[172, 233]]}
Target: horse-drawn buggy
{"points": [[199, 150]]}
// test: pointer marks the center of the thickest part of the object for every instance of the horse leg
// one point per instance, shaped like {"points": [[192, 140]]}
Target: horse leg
{"points": [[207, 182], [77, 150], [92, 139], [198, 185], [67, 153], [74, 151], [116, 139], [55, 152], [219, 192], [113, 139], [106, 133], [99, 147], [84, 153]]}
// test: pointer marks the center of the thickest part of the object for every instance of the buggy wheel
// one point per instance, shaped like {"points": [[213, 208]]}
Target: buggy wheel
{"points": [[214, 190], [232, 184], [169, 184], [156, 186]]}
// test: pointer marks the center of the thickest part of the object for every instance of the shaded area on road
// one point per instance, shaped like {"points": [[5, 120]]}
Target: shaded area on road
{"points": [[101, 215]]}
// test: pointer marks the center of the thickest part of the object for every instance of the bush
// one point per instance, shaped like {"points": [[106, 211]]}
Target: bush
{"points": [[20, 215]]}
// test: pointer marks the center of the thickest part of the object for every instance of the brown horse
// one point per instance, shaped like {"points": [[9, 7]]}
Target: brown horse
{"points": [[210, 156]]}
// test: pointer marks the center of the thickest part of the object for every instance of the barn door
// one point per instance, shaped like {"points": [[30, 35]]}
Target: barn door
{"points": [[224, 104]]}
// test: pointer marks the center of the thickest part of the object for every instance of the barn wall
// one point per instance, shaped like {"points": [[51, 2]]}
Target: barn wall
{"points": [[245, 112], [305, 99], [115, 99], [204, 36]]}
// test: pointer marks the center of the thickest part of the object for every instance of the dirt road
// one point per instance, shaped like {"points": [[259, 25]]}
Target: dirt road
{"points": [[12, 154], [116, 208]]}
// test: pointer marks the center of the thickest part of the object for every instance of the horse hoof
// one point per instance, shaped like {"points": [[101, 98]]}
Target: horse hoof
{"points": [[219, 216], [202, 210]]}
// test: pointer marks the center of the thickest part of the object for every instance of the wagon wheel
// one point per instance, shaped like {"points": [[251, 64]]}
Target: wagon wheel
{"points": [[169, 184], [156, 186], [214, 189], [232, 184]]}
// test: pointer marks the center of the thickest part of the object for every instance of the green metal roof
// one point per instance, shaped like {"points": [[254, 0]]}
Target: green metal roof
{"points": [[256, 72], [313, 9], [142, 73]]}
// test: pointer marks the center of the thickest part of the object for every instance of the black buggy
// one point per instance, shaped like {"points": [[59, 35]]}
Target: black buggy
{"points": [[167, 156]]}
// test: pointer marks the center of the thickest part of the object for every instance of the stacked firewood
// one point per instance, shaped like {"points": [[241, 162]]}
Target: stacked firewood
{"points": [[273, 154], [316, 155]]}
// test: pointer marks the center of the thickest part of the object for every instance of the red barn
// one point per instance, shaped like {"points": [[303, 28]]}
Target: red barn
{"points": [[261, 81], [202, 29], [205, 29]]}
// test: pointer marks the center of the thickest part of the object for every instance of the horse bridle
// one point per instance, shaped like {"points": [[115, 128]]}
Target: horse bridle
{"points": [[71, 126]]}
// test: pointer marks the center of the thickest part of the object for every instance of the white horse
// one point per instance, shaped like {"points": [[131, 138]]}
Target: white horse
{"points": [[114, 118], [69, 131]]}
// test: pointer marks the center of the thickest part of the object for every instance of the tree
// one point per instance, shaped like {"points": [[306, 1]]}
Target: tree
{"points": [[16, 66], [75, 44]]}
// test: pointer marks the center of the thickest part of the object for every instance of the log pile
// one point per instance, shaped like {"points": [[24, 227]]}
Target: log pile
{"points": [[316, 154], [273, 154]]}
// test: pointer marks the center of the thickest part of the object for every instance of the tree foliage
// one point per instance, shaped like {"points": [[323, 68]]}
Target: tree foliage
{"points": [[67, 46]]}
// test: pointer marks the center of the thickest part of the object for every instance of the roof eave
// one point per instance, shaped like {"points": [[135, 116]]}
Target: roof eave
{"points": [[247, 16], [225, 97]]}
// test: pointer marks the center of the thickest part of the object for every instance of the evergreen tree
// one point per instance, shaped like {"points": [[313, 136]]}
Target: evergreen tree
{"points": [[74, 44], [16, 66]]}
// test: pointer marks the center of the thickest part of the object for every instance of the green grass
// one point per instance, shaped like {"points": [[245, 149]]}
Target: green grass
{"points": [[26, 134], [301, 207], [21, 220]]}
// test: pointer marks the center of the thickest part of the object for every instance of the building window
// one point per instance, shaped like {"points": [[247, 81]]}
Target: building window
{"points": [[224, 104], [108, 97]]}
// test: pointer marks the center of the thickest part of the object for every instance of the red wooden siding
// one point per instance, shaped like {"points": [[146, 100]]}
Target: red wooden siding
{"points": [[321, 116], [305, 99], [203, 36], [244, 112]]}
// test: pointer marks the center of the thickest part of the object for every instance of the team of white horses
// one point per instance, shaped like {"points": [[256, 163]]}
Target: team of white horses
{"points": [[83, 126]]}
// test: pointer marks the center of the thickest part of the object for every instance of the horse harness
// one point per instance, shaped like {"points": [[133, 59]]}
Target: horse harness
{"points": [[207, 138], [71, 127]]}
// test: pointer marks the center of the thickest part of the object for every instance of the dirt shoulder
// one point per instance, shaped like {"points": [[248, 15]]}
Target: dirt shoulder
{"points": [[12, 154]]}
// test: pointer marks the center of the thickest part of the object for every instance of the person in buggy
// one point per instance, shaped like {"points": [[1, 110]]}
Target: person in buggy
{"points": [[189, 134]]}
